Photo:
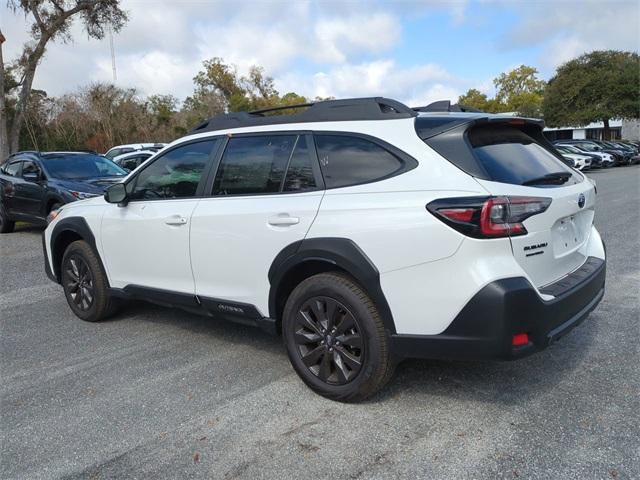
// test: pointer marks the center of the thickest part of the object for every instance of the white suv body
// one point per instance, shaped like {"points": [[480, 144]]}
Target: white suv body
{"points": [[443, 279]]}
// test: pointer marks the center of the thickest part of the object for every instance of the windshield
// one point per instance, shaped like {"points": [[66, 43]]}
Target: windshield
{"points": [[80, 166]]}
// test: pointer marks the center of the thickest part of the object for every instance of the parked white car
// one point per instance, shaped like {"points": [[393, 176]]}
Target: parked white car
{"points": [[362, 230], [606, 158], [122, 149], [580, 162], [133, 160]]}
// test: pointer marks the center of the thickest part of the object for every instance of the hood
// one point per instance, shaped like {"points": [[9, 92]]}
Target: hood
{"points": [[91, 185]]}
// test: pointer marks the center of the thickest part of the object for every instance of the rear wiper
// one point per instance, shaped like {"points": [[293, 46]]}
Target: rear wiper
{"points": [[550, 178]]}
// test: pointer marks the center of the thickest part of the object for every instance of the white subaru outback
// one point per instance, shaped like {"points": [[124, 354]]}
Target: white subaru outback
{"points": [[362, 230]]}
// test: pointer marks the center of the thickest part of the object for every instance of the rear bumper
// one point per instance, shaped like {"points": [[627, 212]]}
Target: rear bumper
{"points": [[485, 327]]}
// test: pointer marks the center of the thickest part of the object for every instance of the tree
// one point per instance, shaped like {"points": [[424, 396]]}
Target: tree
{"points": [[520, 91], [52, 20], [597, 86], [474, 99], [238, 93]]}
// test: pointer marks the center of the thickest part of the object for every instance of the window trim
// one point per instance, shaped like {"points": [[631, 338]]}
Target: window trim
{"points": [[315, 165], [408, 162], [130, 183]]}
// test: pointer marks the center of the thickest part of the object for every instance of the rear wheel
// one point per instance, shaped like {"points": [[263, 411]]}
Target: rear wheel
{"points": [[85, 284], [6, 225], [335, 338]]}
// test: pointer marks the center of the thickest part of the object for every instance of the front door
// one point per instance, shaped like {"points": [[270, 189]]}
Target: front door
{"points": [[146, 242], [30, 190], [266, 193]]}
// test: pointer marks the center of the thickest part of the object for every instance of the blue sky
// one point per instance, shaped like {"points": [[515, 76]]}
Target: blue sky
{"points": [[416, 51]]}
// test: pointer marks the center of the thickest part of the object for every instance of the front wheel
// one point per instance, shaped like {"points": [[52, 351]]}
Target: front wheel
{"points": [[6, 225], [335, 338], [85, 283]]}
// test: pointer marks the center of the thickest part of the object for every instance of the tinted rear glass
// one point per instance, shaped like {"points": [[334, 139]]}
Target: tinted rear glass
{"points": [[509, 155], [347, 160]]}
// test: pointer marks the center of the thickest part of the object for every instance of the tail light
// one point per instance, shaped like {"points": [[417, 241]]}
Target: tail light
{"points": [[488, 217]]}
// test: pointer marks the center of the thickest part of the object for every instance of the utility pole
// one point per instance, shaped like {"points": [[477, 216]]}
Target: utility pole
{"points": [[113, 55]]}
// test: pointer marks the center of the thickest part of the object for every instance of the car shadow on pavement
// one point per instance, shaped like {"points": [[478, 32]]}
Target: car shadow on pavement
{"points": [[502, 382]]}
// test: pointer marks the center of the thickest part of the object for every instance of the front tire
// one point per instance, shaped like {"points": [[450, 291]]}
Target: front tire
{"points": [[335, 338], [6, 225], [85, 283]]}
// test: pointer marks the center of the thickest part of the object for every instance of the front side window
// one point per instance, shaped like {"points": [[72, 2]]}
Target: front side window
{"points": [[347, 160], [176, 174], [30, 167], [253, 165]]}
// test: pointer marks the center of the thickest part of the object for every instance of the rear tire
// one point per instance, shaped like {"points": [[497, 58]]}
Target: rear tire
{"points": [[85, 283], [335, 338], [6, 225]]}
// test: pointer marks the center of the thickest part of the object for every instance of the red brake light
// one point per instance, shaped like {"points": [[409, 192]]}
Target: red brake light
{"points": [[520, 339], [488, 217]]}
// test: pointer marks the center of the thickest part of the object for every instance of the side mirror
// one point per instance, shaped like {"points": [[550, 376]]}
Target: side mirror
{"points": [[116, 193], [31, 177]]}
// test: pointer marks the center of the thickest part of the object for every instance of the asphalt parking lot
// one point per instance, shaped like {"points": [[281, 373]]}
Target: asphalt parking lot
{"points": [[159, 393]]}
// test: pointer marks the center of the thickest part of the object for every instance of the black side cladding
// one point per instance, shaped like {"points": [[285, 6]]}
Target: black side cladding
{"points": [[341, 252], [77, 226]]}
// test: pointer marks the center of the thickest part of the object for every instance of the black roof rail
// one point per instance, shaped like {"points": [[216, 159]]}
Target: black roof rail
{"points": [[445, 106], [373, 108]]}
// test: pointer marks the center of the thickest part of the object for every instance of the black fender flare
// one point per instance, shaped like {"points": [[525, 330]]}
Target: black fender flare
{"points": [[341, 252], [80, 227]]}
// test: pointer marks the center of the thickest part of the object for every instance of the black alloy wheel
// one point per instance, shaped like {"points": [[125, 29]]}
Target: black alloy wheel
{"points": [[336, 338], [79, 282], [328, 340]]}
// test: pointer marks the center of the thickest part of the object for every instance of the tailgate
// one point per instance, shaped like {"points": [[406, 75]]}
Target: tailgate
{"points": [[554, 244]]}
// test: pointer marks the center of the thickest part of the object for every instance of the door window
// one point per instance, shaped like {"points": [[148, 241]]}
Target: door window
{"points": [[13, 169], [176, 174], [30, 167], [300, 175], [254, 165], [347, 160]]}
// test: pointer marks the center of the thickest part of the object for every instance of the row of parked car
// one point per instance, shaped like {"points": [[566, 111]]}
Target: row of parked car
{"points": [[584, 154]]}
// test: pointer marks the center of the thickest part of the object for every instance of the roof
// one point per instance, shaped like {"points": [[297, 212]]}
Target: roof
{"points": [[373, 108]]}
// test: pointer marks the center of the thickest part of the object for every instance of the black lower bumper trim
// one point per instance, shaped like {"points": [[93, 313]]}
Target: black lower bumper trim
{"points": [[486, 325]]}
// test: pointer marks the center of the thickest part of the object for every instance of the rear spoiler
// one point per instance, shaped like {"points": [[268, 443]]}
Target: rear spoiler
{"points": [[448, 136], [427, 126]]}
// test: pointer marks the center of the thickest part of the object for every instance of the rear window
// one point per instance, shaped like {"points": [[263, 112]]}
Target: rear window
{"points": [[347, 160], [509, 155]]}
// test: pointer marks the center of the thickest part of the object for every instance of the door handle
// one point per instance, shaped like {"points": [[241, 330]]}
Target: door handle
{"points": [[175, 220], [283, 220]]}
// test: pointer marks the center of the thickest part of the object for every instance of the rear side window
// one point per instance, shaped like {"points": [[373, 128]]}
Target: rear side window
{"points": [[347, 160], [13, 169], [509, 155], [300, 176], [254, 165]]}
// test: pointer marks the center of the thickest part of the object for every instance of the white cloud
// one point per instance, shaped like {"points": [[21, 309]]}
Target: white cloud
{"points": [[416, 85]]}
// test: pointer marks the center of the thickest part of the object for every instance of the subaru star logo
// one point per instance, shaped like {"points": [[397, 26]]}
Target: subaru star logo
{"points": [[581, 200]]}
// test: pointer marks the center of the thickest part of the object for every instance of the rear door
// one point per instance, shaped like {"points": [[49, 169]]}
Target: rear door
{"points": [[519, 165], [265, 195]]}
